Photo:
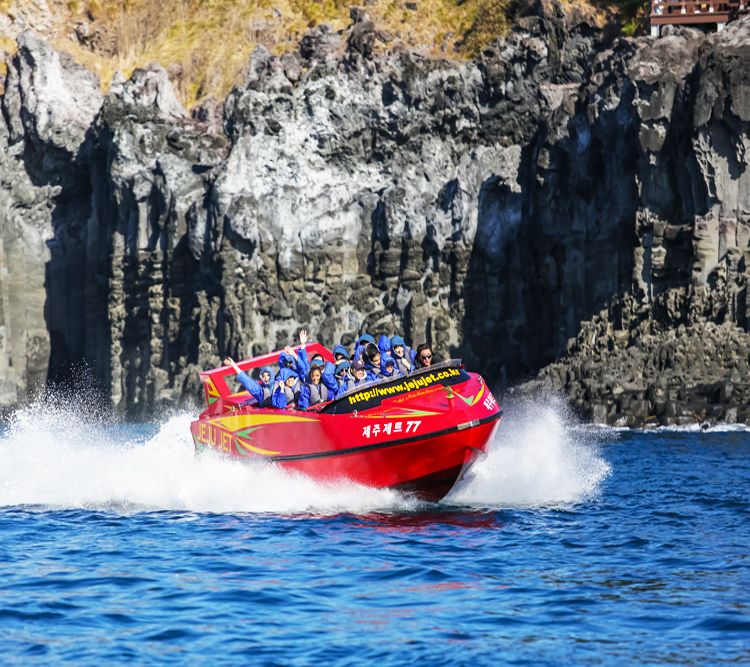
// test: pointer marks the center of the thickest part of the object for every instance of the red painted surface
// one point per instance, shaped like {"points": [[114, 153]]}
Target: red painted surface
{"points": [[426, 432]]}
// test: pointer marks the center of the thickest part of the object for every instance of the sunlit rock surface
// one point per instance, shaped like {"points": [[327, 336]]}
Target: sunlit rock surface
{"points": [[565, 198]]}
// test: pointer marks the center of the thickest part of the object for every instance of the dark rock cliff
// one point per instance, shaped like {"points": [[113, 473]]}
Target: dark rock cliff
{"points": [[489, 207]]}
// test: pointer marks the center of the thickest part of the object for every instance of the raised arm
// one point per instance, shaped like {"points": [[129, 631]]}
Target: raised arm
{"points": [[253, 387]]}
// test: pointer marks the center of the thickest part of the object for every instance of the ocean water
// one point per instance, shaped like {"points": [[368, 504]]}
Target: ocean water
{"points": [[568, 545]]}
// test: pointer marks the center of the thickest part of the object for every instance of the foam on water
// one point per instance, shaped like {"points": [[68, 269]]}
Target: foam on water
{"points": [[57, 454], [540, 457]]}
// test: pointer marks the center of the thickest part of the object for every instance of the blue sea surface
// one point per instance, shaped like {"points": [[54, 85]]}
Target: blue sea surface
{"points": [[568, 546]]}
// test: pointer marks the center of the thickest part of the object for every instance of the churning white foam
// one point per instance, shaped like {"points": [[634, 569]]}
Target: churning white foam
{"points": [[541, 457], [59, 456], [56, 454]]}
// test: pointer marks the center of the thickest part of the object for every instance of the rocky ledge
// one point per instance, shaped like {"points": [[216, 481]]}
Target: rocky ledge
{"points": [[566, 199]]}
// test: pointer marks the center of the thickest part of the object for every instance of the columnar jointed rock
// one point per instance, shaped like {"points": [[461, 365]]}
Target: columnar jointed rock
{"points": [[677, 350], [488, 207]]}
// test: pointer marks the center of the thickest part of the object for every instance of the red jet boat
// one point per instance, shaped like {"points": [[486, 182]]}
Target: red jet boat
{"points": [[418, 434]]}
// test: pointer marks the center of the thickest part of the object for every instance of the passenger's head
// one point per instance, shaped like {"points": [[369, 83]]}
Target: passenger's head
{"points": [[424, 354], [397, 346], [340, 353], [358, 369], [318, 360], [286, 360], [342, 368], [387, 364], [373, 354], [384, 344], [266, 373], [288, 376], [315, 375], [364, 339]]}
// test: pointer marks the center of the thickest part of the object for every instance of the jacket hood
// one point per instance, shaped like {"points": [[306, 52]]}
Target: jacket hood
{"points": [[342, 365], [397, 340], [287, 373], [364, 339], [269, 370], [384, 344], [385, 359], [285, 358], [340, 349]]}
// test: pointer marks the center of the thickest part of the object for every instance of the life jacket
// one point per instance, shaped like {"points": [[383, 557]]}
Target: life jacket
{"points": [[267, 396], [292, 394], [318, 393], [348, 382]]}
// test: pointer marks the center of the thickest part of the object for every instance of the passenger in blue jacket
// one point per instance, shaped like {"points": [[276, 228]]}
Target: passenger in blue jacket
{"points": [[384, 344], [371, 357], [315, 391], [288, 389], [337, 378], [254, 388], [362, 342], [388, 366], [403, 355], [266, 383], [358, 377]]}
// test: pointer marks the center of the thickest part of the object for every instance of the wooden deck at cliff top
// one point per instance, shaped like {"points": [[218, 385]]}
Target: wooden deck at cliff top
{"points": [[667, 12]]}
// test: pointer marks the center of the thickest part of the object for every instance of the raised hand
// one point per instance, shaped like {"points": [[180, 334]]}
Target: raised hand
{"points": [[290, 351], [230, 362], [303, 337]]}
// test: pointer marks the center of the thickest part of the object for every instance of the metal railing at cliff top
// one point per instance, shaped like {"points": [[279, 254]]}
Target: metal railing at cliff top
{"points": [[667, 12]]}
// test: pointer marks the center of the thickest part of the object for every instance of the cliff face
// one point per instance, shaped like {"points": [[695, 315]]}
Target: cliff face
{"points": [[488, 207]]}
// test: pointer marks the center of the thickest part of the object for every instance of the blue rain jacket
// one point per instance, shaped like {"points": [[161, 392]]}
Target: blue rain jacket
{"points": [[409, 354], [327, 380], [386, 359], [280, 396], [384, 345], [362, 344]]}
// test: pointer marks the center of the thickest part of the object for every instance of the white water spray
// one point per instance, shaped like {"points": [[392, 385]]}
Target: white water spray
{"points": [[56, 455], [540, 457]]}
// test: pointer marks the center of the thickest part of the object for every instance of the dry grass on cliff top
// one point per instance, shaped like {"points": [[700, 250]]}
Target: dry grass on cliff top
{"points": [[208, 42]]}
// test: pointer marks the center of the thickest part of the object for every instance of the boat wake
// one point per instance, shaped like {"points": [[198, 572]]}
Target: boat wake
{"points": [[57, 455]]}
